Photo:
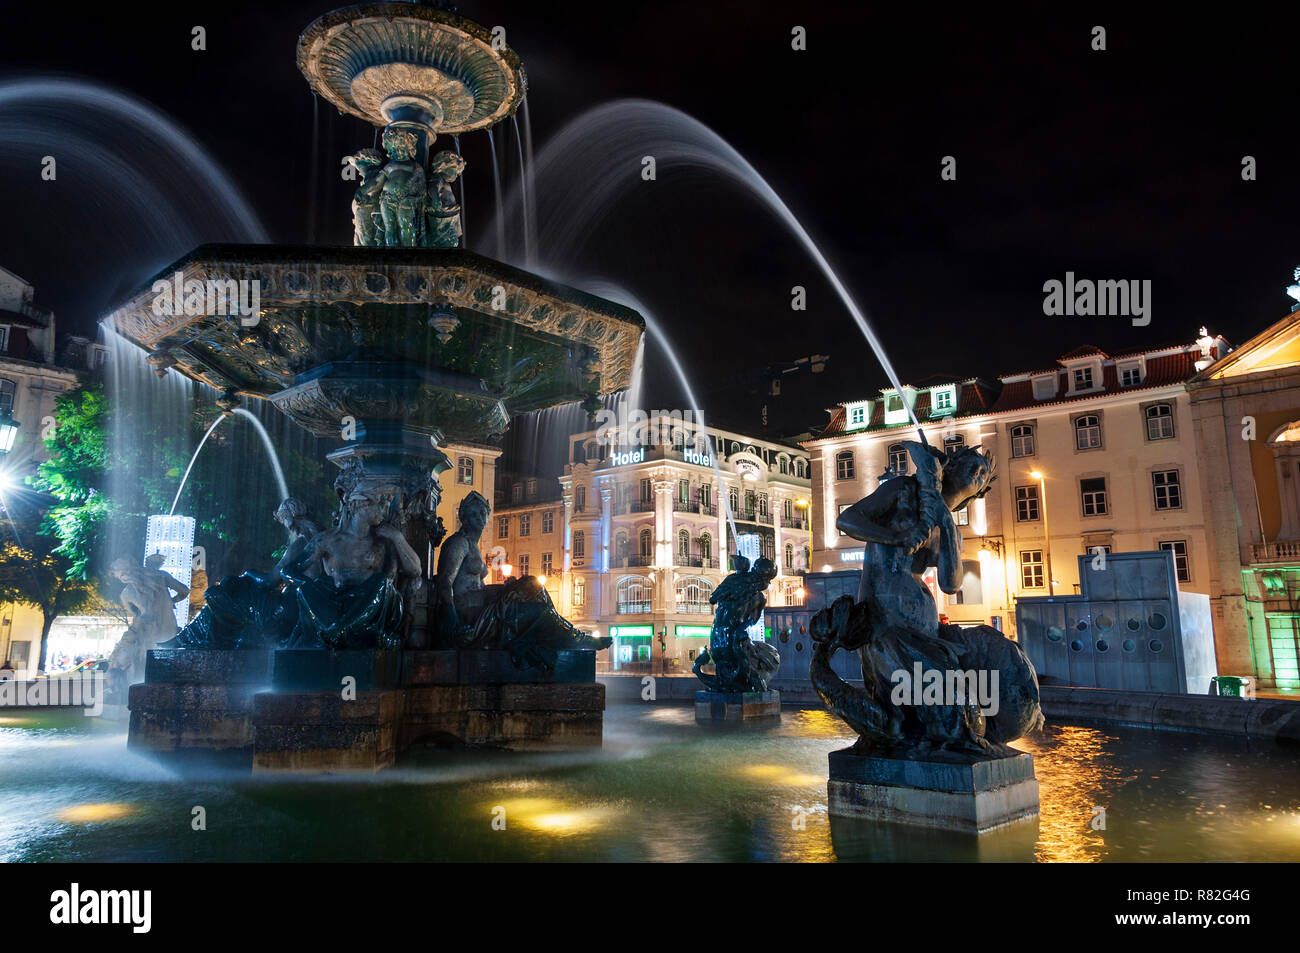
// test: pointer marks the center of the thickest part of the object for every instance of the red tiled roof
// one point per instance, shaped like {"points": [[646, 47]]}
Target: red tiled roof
{"points": [[1087, 350], [973, 397], [1160, 372]]}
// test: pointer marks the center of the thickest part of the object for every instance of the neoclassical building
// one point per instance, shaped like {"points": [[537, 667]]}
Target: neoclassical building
{"points": [[637, 536], [1246, 412], [1094, 453]]}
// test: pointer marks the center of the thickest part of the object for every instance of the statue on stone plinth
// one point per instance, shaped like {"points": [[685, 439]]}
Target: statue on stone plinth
{"points": [[740, 664], [255, 610], [908, 527], [148, 596], [366, 216], [458, 584], [443, 208], [402, 197]]}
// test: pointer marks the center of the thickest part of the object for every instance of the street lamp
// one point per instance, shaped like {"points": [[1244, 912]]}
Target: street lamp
{"points": [[1047, 536], [8, 430]]}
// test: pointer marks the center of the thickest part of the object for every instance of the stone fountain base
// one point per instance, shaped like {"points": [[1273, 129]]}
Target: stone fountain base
{"points": [[737, 708], [946, 791], [321, 711]]}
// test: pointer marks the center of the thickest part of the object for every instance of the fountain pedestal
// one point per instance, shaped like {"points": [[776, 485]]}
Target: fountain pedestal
{"points": [[315, 710], [737, 708], [945, 790]]}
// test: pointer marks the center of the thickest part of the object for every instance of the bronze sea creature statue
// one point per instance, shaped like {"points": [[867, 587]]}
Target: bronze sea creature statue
{"points": [[980, 690], [740, 664]]}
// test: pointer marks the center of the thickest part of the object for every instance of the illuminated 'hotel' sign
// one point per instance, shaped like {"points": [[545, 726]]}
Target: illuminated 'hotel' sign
{"points": [[694, 456], [631, 456]]}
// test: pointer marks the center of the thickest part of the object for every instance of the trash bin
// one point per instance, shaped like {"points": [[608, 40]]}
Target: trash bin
{"points": [[1228, 685]]}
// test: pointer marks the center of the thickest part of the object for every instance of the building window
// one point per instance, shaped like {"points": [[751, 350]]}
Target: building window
{"points": [[1031, 569], [1026, 504], [1045, 387], [693, 595], [593, 451], [800, 468], [7, 389], [547, 564], [647, 490], [706, 494], [683, 491], [579, 547], [579, 499], [857, 416], [525, 524], [1181, 566], [787, 509], [532, 489], [634, 595], [683, 545], [942, 400], [706, 546], [523, 564], [789, 557], [503, 527], [1093, 491], [897, 459], [4, 339], [1083, 378], [762, 504], [517, 492], [1130, 376], [953, 443], [733, 498], [844, 465], [646, 541], [579, 591], [1168, 491], [783, 464], [842, 508], [1160, 422], [1087, 432], [962, 516], [548, 521], [1022, 441], [465, 470]]}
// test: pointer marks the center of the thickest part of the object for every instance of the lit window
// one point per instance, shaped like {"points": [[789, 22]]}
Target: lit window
{"points": [[525, 524], [579, 547], [1093, 492], [1022, 441], [465, 470], [943, 400], [1160, 422], [1167, 489], [1181, 565], [897, 459], [844, 465], [954, 443], [523, 564], [1031, 569], [1087, 432], [547, 564], [842, 508], [1082, 378], [503, 527], [548, 521]]}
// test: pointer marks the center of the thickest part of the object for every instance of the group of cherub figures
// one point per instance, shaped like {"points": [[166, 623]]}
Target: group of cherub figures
{"points": [[908, 529], [355, 584], [397, 203]]}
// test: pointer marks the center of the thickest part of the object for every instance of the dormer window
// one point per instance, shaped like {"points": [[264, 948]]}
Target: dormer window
{"points": [[895, 410], [856, 415], [1130, 376], [1083, 378], [943, 400], [1045, 387]]}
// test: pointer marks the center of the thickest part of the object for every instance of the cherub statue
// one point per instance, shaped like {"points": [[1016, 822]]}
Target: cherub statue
{"points": [[740, 664], [148, 596], [443, 210], [908, 528], [366, 216], [402, 198]]}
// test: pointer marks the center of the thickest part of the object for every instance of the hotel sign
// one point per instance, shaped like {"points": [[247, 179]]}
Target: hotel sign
{"points": [[631, 456], [748, 469], [694, 456]]}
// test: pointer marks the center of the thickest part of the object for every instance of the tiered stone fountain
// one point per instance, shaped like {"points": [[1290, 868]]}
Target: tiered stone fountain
{"points": [[352, 649]]}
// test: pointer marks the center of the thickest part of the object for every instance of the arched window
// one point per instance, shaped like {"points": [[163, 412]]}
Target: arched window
{"points": [[783, 464], [789, 557], [579, 498], [1160, 422], [634, 595], [1087, 432], [735, 447], [706, 546], [684, 545], [800, 467], [647, 544], [955, 442], [898, 459], [693, 595], [844, 469], [1022, 441], [579, 547], [465, 470], [733, 497]]}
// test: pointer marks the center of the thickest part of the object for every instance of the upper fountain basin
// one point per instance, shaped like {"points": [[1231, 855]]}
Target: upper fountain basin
{"points": [[439, 339], [385, 61]]}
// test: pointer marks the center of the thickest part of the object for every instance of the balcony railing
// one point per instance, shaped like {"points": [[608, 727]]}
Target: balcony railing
{"points": [[708, 509], [696, 608], [642, 506], [793, 523], [682, 506], [1282, 550], [635, 561], [629, 608]]}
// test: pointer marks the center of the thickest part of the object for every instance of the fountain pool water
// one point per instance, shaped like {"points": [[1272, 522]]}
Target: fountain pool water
{"points": [[660, 790]]}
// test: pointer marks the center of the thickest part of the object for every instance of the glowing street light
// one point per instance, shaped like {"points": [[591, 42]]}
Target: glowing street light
{"points": [[507, 570], [541, 580], [8, 430]]}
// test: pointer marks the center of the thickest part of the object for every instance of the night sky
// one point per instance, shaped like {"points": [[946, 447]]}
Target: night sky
{"points": [[1122, 164]]}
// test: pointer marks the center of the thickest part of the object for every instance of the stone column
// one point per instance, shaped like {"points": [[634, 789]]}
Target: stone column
{"points": [[663, 489]]}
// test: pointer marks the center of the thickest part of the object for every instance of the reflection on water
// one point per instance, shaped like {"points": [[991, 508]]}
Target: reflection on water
{"points": [[662, 789]]}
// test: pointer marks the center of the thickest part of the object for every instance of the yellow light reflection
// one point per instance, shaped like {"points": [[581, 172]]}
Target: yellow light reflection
{"points": [[550, 816], [94, 813]]}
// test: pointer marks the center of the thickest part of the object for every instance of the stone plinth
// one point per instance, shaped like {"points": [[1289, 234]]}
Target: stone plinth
{"points": [[315, 710], [944, 790], [737, 708], [198, 701]]}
